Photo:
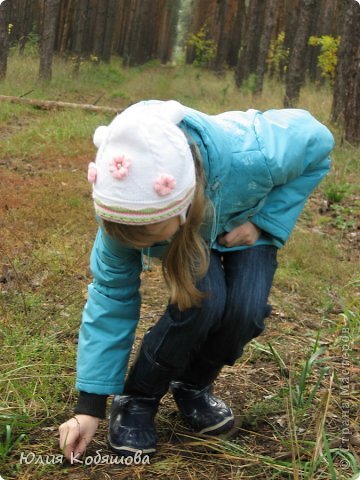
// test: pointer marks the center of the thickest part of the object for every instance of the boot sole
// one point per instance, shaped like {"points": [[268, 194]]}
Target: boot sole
{"points": [[127, 451], [221, 427]]}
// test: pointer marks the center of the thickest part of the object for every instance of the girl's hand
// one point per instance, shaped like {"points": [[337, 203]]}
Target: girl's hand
{"points": [[76, 434], [246, 234]]}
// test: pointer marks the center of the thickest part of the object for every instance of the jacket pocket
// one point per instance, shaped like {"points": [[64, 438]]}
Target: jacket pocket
{"points": [[243, 216]]}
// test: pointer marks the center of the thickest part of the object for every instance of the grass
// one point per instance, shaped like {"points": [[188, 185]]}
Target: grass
{"points": [[294, 390]]}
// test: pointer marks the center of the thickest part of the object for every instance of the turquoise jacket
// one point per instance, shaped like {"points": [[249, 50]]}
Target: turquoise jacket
{"points": [[259, 166]]}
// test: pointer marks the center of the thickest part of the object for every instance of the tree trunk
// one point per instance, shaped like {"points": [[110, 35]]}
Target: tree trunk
{"points": [[291, 15], [279, 28], [167, 32], [51, 10], [25, 26], [64, 37], [272, 9], [79, 24], [312, 53], [100, 26], [248, 57], [296, 70], [327, 24], [3, 39], [352, 99], [122, 23], [144, 45], [109, 30], [349, 70], [344, 62], [236, 34], [132, 31], [223, 35]]}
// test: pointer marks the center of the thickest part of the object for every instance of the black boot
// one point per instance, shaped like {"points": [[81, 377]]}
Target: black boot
{"points": [[201, 410], [132, 426]]}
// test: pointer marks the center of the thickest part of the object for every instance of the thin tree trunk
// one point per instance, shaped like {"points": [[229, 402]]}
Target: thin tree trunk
{"points": [[352, 101], [64, 43], [236, 34], [312, 53], [3, 39], [100, 25], [345, 58], [291, 15], [80, 23], [109, 30], [24, 28], [89, 28], [248, 57], [328, 17], [352, 73], [132, 31], [122, 22], [272, 9], [296, 70], [51, 10], [167, 31], [222, 37]]}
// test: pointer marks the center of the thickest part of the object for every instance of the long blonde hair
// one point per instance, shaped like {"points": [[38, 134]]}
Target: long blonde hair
{"points": [[187, 258]]}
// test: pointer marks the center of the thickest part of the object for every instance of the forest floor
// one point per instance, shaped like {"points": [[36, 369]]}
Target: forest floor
{"points": [[295, 391]]}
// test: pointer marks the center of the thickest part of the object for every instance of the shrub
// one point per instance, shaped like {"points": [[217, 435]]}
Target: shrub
{"points": [[327, 59], [205, 48], [278, 56]]}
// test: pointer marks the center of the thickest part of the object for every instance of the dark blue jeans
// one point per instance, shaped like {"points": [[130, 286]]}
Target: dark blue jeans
{"points": [[199, 341]]}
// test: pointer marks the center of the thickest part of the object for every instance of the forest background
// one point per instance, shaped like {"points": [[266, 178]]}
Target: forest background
{"points": [[67, 66], [289, 39]]}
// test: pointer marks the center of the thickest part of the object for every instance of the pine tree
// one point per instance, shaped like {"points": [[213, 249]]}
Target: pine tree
{"points": [[3, 39], [272, 10], [346, 99], [296, 69], [247, 62], [50, 10]]}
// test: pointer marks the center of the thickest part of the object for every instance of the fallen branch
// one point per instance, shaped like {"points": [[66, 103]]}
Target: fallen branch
{"points": [[53, 105]]}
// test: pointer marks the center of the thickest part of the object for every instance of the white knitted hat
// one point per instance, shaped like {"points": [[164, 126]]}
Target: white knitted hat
{"points": [[144, 170]]}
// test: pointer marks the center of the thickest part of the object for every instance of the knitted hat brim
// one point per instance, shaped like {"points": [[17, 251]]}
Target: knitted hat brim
{"points": [[145, 216]]}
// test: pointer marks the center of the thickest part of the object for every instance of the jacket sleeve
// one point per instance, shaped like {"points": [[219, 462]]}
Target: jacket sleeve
{"points": [[296, 148], [110, 317]]}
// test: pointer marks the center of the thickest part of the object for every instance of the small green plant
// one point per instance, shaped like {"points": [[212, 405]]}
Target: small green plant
{"points": [[327, 58], [303, 392], [205, 48], [280, 362], [224, 93], [249, 84], [343, 217], [278, 56], [8, 440], [336, 192], [27, 45]]}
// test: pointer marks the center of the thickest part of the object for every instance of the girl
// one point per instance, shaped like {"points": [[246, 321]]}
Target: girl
{"points": [[214, 197]]}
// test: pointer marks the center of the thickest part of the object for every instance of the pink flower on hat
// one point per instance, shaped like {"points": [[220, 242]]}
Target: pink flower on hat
{"points": [[119, 167], [164, 185], [92, 172]]}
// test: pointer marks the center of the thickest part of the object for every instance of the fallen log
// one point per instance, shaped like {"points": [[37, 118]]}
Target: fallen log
{"points": [[53, 105]]}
